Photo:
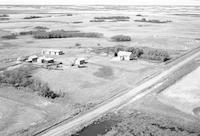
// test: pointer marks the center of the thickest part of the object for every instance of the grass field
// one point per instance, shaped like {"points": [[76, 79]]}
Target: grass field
{"points": [[101, 78]]}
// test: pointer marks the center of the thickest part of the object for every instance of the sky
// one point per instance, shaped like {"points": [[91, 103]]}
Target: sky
{"points": [[100, 2]]}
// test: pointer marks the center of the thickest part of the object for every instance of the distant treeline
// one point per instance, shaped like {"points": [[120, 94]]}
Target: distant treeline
{"points": [[97, 20], [113, 17], [42, 34], [41, 27], [4, 15], [152, 21], [3, 19], [121, 38], [10, 36], [65, 34], [32, 17]]}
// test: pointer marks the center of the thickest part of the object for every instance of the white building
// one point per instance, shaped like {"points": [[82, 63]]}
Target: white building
{"points": [[52, 52], [80, 61], [32, 58], [124, 55], [45, 60]]}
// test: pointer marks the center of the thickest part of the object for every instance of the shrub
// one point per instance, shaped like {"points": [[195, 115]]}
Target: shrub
{"points": [[32, 17], [155, 54], [97, 20], [137, 52], [121, 38], [113, 17], [4, 15], [65, 34], [11, 36], [152, 21], [31, 32], [22, 78], [69, 14], [3, 18], [77, 22], [138, 15], [78, 45], [41, 27]]}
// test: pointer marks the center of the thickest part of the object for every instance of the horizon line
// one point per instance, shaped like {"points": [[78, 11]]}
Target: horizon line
{"points": [[96, 5]]}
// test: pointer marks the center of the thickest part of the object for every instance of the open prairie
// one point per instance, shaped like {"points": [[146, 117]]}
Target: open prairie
{"points": [[102, 77]]}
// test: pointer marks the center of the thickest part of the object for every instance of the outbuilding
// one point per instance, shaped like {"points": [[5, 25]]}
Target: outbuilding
{"points": [[45, 60], [32, 58], [80, 61], [124, 55], [52, 52]]}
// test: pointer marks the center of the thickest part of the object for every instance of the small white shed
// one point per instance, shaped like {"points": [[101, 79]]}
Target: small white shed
{"points": [[80, 61], [45, 60], [32, 58]]}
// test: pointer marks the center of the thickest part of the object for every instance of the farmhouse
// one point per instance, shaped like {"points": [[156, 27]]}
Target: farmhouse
{"points": [[124, 55], [52, 52]]}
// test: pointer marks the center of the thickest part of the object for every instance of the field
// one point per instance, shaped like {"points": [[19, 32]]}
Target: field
{"points": [[101, 78], [172, 111]]}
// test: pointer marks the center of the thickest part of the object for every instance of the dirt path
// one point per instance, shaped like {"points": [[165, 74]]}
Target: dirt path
{"points": [[136, 93]]}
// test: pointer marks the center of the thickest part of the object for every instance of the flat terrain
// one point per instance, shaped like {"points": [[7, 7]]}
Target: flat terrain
{"points": [[173, 111], [102, 78], [184, 95]]}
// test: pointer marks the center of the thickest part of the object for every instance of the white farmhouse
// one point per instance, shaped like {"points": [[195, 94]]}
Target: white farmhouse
{"points": [[124, 55]]}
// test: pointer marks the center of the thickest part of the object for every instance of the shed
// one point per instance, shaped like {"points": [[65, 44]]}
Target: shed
{"points": [[80, 61], [124, 55], [45, 60], [32, 58], [22, 58], [49, 60]]}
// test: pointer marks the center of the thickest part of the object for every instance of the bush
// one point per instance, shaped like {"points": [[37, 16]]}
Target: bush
{"points": [[65, 34], [97, 20], [4, 15], [145, 53], [138, 15], [22, 78], [31, 32], [155, 54], [9, 37], [152, 21], [121, 38], [77, 22], [78, 45], [32, 17], [140, 123], [113, 17], [3, 18], [41, 27]]}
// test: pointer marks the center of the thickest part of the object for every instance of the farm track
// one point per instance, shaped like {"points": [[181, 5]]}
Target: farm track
{"points": [[131, 95]]}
